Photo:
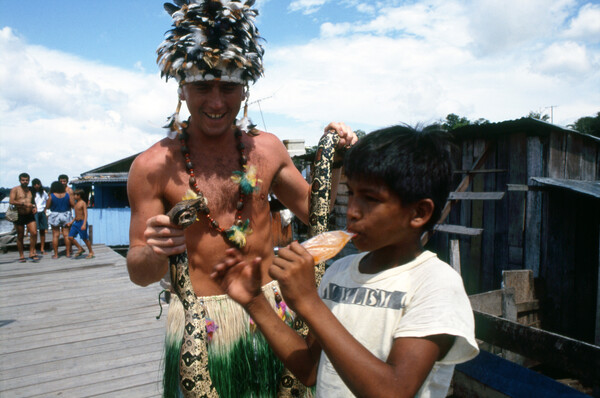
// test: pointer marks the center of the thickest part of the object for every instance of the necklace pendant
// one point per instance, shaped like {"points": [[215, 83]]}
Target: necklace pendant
{"points": [[237, 233], [247, 180]]}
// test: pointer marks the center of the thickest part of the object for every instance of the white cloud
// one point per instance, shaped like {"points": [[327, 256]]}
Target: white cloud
{"points": [[306, 6], [62, 114], [586, 25], [419, 62], [568, 58], [503, 25]]}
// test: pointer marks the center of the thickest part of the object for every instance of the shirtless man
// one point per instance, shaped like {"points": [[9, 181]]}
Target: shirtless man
{"points": [[64, 179], [22, 198], [158, 180], [218, 150]]}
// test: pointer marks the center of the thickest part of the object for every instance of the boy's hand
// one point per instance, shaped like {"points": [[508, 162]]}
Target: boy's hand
{"points": [[294, 269], [240, 280], [163, 237]]}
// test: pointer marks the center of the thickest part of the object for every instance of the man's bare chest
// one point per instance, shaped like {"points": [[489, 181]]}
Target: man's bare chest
{"points": [[217, 178]]}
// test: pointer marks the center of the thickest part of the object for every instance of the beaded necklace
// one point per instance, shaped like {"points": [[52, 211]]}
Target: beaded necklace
{"points": [[236, 234]]}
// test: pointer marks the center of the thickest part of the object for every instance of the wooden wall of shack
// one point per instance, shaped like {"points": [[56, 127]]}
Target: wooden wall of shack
{"points": [[555, 234]]}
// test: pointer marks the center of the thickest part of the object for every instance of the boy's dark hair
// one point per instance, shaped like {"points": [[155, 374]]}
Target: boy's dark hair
{"points": [[63, 177], [23, 175], [57, 187], [414, 164], [81, 193]]}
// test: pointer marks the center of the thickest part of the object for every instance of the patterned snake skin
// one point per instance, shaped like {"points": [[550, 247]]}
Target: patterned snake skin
{"points": [[195, 377]]}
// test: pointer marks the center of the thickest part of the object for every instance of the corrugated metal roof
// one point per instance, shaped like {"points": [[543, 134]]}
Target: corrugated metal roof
{"points": [[100, 177], [591, 188], [526, 125]]}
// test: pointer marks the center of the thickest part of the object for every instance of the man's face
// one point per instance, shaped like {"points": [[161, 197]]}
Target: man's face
{"points": [[213, 105], [24, 181], [64, 181]]}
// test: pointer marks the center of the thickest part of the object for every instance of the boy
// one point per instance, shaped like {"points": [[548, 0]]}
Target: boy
{"points": [[391, 321], [79, 224]]}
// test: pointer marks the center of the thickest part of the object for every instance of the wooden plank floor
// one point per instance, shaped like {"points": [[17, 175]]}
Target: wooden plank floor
{"points": [[78, 328]]}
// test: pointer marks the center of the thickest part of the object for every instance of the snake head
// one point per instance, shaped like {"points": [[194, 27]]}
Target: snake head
{"points": [[185, 212]]}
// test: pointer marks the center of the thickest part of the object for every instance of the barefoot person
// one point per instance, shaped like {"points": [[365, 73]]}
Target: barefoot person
{"points": [[40, 197], [214, 52], [21, 197], [60, 204], [64, 179], [79, 225]]}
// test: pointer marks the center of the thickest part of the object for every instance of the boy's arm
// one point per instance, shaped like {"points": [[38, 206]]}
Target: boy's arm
{"points": [[401, 375], [410, 359], [84, 208], [242, 282]]}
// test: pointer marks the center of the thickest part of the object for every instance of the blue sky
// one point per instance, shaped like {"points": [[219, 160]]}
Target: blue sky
{"points": [[80, 87]]}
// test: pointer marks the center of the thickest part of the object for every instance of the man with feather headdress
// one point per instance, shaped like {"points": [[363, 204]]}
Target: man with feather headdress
{"points": [[228, 168]]}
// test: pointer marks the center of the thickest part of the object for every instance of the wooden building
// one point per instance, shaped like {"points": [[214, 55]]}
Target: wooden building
{"points": [[108, 211], [529, 198]]}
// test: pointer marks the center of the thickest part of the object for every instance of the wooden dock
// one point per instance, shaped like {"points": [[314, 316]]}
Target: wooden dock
{"points": [[78, 328]]}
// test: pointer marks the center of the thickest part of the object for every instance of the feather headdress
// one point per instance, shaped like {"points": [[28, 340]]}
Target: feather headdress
{"points": [[211, 40]]}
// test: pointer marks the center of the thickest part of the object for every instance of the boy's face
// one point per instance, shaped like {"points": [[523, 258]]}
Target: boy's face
{"points": [[377, 217]]}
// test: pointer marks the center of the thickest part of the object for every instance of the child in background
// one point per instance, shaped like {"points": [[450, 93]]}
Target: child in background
{"points": [[40, 197], [391, 321], [79, 224]]}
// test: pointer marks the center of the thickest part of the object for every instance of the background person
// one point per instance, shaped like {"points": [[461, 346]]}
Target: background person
{"points": [[59, 203], [64, 179], [79, 225], [22, 198], [40, 197]]}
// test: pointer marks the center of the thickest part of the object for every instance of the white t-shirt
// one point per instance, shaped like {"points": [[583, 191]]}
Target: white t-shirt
{"points": [[421, 298], [40, 200]]}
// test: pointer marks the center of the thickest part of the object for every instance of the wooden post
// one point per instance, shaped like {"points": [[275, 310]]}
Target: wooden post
{"points": [[455, 255], [597, 334]]}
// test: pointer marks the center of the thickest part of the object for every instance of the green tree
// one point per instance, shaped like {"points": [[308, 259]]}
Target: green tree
{"points": [[587, 125], [538, 116], [453, 121]]}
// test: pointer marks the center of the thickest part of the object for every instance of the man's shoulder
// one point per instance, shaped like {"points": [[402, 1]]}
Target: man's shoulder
{"points": [[157, 155], [265, 139]]}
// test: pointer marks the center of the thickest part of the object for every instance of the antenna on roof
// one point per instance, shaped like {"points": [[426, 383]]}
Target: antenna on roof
{"points": [[260, 109], [258, 101], [551, 107]]}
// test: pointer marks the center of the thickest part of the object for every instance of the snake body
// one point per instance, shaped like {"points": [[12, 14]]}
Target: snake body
{"points": [[195, 380]]}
